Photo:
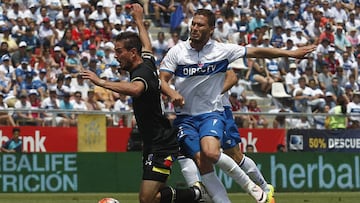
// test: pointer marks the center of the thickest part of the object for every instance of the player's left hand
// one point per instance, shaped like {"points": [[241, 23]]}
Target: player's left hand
{"points": [[301, 52], [87, 74]]}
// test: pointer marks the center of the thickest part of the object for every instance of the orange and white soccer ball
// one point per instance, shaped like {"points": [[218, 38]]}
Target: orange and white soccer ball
{"points": [[109, 200]]}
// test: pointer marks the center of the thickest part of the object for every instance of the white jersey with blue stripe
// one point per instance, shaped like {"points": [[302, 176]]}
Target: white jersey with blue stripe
{"points": [[200, 75]]}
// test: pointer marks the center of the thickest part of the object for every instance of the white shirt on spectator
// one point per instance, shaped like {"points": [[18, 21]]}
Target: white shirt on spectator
{"points": [[13, 16], [98, 17], [291, 79], [53, 13], [79, 106], [339, 15], [84, 88], [354, 108]]}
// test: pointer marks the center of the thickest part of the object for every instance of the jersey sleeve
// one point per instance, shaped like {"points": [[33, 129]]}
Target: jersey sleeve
{"points": [[169, 63], [147, 72], [235, 52]]}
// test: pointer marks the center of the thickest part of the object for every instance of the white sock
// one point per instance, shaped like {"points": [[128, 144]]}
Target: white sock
{"points": [[215, 188], [230, 167], [189, 171], [249, 167]]}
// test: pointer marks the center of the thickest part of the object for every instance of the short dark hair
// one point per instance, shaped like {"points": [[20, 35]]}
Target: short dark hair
{"points": [[131, 40], [16, 130], [209, 14]]}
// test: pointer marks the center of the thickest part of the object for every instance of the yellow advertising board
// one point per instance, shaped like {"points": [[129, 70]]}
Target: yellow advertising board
{"points": [[91, 133]]}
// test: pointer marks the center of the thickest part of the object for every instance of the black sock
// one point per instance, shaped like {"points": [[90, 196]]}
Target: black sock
{"points": [[185, 195], [168, 194]]}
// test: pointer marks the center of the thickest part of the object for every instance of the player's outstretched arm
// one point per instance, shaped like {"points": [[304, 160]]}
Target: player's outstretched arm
{"points": [[137, 13], [259, 52], [133, 89]]}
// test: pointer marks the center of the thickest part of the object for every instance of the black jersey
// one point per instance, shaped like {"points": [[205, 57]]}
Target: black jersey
{"points": [[156, 131]]}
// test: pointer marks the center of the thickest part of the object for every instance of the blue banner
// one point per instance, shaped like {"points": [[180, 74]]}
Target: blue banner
{"points": [[324, 140]]}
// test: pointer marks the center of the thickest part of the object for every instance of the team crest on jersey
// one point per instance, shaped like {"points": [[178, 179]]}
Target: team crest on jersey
{"points": [[168, 161]]}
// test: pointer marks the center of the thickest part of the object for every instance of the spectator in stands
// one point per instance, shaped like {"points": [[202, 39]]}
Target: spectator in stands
{"points": [[221, 33], [105, 96], [327, 34], [98, 15], [91, 102], [35, 102], [260, 74], [257, 120], [353, 108], [68, 107], [20, 54], [325, 76], [240, 37], [5, 117], [303, 123], [46, 61], [337, 115], [352, 83], [46, 31], [349, 64], [6, 37], [281, 148], [109, 55], [299, 39], [59, 30], [6, 68], [78, 103], [49, 103], [336, 91], [117, 16], [160, 47], [277, 39], [67, 83], [161, 6], [67, 41], [323, 47], [121, 104], [77, 12], [80, 85], [72, 63], [242, 121], [332, 60], [291, 78], [64, 14], [14, 144], [341, 76], [175, 38], [27, 84], [59, 57], [112, 73], [340, 41], [23, 117], [249, 148]]}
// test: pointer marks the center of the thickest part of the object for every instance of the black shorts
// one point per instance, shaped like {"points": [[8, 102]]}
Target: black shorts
{"points": [[157, 167]]}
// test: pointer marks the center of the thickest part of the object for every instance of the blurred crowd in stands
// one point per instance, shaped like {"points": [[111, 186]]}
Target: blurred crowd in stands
{"points": [[44, 44]]}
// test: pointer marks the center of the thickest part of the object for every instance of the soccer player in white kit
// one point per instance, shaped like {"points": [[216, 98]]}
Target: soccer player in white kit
{"points": [[199, 66]]}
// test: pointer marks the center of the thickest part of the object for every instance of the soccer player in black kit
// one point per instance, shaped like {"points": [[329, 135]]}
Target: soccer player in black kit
{"points": [[160, 147]]}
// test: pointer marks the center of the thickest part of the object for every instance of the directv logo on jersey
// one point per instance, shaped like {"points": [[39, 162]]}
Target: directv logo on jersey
{"points": [[296, 142], [200, 70]]}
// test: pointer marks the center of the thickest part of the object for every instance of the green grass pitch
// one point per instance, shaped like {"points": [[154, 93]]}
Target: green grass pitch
{"points": [[331, 197]]}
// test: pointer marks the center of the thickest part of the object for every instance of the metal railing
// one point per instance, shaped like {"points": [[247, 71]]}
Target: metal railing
{"points": [[129, 114]]}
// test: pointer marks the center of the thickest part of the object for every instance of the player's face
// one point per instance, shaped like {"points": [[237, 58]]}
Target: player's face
{"points": [[123, 56], [200, 30]]}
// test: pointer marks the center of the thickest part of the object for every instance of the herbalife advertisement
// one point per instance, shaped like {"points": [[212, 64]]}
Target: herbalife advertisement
{"points": [[121, 172]]}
